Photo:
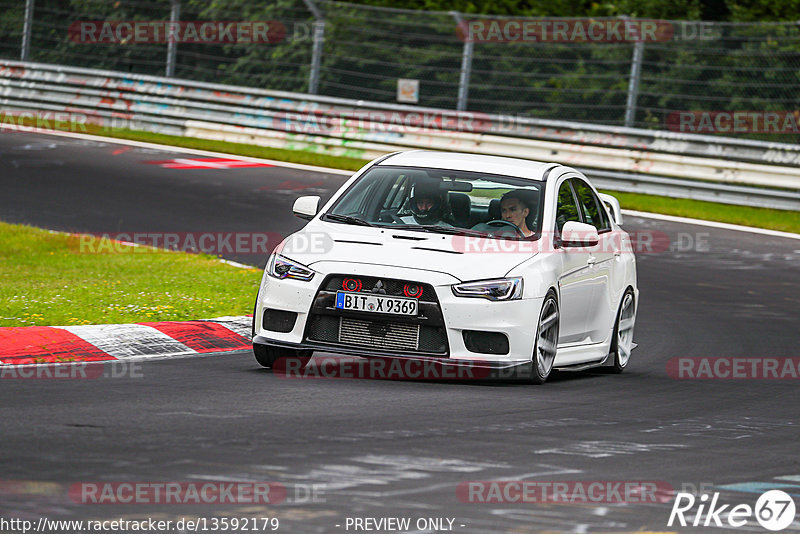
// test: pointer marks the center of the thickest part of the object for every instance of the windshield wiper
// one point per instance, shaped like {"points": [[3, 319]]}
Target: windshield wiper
{"points": [[435, 228], [347, 219]]}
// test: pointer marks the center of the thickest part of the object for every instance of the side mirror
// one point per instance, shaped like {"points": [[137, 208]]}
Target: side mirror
{"points": [[613, 207], [577, 234], [306, 207]]}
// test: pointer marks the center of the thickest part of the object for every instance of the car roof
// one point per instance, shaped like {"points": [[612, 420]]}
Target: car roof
{"points": [[517, 167]]}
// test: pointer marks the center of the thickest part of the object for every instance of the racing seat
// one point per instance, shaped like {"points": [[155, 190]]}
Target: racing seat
{"points": [[461, 205], [494, 210]]}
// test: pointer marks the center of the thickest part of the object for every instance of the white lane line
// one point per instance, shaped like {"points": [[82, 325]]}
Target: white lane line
{"points": [[239, 265], [127, 340], [712, 224], [177, 149]]}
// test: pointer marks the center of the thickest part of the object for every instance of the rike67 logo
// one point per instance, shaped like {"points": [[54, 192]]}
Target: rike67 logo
{"points": [[774, 510]]}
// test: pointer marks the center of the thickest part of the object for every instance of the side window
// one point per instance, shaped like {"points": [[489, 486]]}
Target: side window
{"points": [[566, 210], [605, 222], [593, 211]]}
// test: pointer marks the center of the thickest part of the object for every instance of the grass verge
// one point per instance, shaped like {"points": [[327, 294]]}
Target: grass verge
{"points": [[240, 149], [783, 220], [47, 278]]}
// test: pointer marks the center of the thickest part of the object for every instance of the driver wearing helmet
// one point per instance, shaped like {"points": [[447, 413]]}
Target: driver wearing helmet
{"points": [[428, 206]]}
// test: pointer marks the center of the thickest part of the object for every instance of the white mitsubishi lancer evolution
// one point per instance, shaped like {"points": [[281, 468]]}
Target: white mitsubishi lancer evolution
{"points": [[460, 258]]}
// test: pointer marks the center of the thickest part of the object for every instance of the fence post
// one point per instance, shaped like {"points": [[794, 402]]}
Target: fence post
{"points": [[316, 51], [27, 29], [466, 63], [172, 41], [633, 83]]}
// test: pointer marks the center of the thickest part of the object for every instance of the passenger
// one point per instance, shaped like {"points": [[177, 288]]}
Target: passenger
{"points": [[515, 209]]}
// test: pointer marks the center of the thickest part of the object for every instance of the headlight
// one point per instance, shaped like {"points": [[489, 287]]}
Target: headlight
{"points": [[280, 267], [498, 289]]}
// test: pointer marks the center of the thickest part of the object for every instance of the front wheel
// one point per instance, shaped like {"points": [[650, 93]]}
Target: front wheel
{"points": [[275, 357], [622, 337], [544, 353]]}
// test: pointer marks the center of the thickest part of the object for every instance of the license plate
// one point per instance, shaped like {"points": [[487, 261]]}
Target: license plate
{"points": [[346, 300]]}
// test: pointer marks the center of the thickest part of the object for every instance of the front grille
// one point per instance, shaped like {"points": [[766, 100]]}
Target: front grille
{"points": [[343, 330], [423, 333], [390, 286], [381, 335], [323, 328]]}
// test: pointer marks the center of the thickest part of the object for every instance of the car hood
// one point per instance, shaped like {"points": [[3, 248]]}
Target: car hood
{"points": [[326, 247]]}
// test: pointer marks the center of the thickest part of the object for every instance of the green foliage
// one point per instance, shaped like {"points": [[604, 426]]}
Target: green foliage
{"points": [[367, 49], [763, 10]]}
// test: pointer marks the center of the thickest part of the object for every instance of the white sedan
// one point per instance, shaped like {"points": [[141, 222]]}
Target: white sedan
{"points": [[461, 258]]}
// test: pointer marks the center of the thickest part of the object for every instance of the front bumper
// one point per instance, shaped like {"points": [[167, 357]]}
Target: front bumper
{"points": [[372, 353], [444, 312]]}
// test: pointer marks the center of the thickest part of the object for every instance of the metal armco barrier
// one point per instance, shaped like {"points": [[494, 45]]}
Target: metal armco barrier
{"points": [[722, 169]]}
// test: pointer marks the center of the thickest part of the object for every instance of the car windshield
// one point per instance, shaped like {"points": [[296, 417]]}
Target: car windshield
{"points": [[443, 201]]}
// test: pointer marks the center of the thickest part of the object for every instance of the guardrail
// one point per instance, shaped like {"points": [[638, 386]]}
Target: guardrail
{"points": [[735, 171]]}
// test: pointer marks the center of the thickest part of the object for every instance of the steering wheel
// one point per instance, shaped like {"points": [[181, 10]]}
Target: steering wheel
{"points": [[499, 223], [390, 216]]}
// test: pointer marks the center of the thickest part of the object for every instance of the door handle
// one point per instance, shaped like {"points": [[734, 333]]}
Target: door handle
{"points": [[592, 260]]}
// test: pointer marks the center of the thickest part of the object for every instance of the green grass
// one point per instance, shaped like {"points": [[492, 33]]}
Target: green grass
{"points": [[783, 220], [50, 279]]}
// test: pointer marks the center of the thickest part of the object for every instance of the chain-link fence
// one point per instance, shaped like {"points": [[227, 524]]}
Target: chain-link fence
{"points": [[721, 78]]}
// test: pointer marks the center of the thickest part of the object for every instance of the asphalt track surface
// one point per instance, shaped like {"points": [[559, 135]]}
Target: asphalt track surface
{"points": [[388, 448]]}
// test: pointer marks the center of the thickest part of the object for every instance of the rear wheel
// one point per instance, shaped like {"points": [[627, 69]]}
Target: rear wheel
{"points": [[544, 353], [275, 357], [622, 337]]}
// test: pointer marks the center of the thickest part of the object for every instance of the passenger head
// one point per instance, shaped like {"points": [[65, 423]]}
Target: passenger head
{"points": [[515, 209]]}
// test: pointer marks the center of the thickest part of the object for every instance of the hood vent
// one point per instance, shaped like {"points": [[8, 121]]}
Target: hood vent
{"points": [[410, 238], [357, 242], [438, 250]]}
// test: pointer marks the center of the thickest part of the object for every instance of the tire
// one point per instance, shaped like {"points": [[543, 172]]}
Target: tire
{"points": [[275, 357], [544, 352], [622, 335]]}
